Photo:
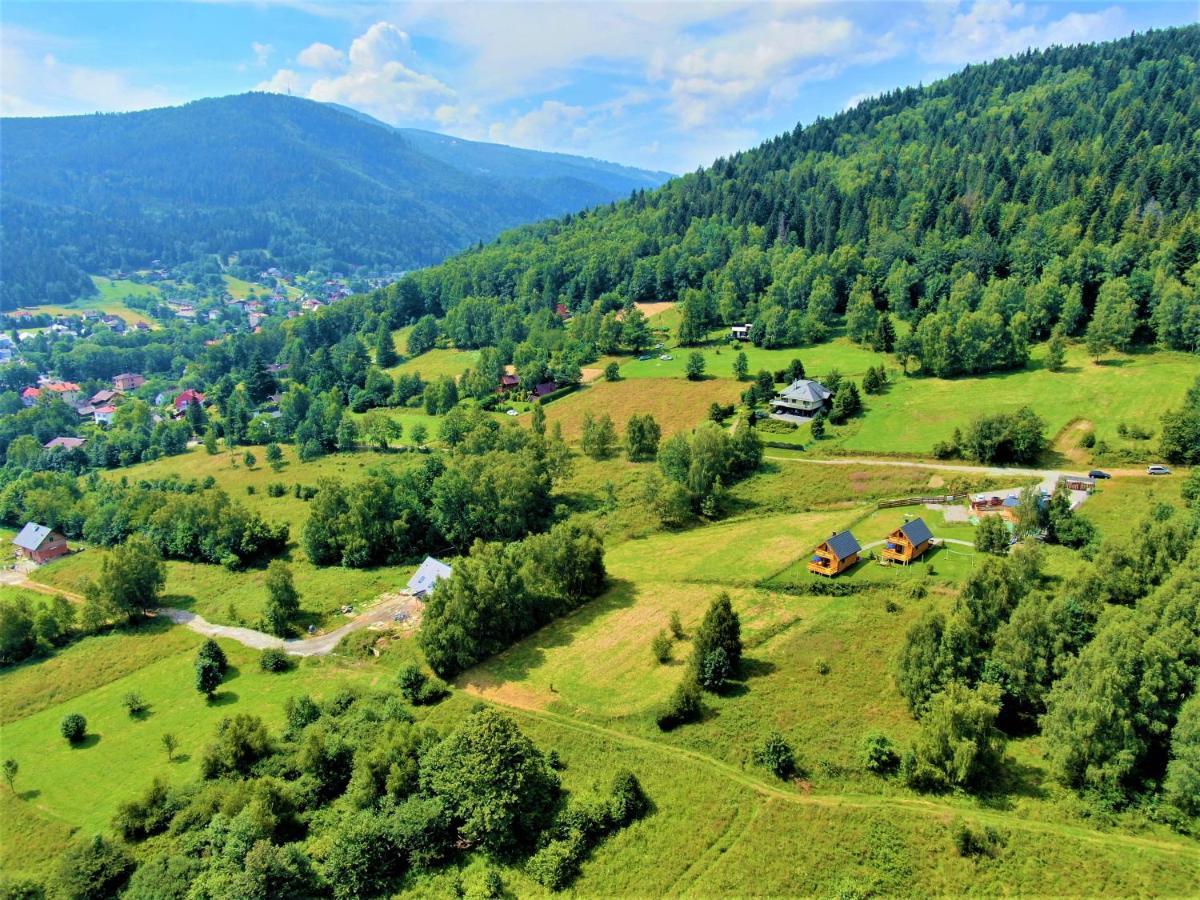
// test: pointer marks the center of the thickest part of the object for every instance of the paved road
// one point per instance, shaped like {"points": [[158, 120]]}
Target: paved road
{"points": [[1044, 474], [316, 646]]}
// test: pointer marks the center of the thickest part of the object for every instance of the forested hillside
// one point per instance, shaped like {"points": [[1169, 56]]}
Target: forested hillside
{"points": [[310, 183], [1056, 189]]}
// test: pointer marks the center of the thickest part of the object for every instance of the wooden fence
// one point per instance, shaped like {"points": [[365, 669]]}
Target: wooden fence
{"points": [[920, 501]]}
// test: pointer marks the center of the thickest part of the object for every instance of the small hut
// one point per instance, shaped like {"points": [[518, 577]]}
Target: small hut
{"points": [[835, 555], [908, 542]]}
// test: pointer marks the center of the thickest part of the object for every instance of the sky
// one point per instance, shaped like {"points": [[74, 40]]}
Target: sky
{"points": [[662, 85]]}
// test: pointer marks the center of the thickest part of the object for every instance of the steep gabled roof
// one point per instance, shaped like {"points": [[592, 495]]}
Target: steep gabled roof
{"points": [[32, 536], [916, 531], [843, 544]]}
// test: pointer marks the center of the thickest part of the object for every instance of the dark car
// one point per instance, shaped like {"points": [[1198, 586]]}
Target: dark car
{"points": [[1096, 473]]}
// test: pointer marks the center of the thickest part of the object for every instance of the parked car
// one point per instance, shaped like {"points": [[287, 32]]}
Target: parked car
{"points": [[1157, 470], [1096, 473]]}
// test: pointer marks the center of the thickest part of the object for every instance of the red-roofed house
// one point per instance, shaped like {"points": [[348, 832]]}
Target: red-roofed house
{"points": [[509, 382], [30, 395], [101, 397], [187, 398], [104, 414], [69, 391]]}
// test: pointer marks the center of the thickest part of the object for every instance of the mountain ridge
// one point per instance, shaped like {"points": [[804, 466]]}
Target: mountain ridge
{"points": [[303, 181]]}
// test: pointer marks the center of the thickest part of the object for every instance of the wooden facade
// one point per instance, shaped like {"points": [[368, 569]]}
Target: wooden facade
{"points": [[908, 542], [835, 555]]}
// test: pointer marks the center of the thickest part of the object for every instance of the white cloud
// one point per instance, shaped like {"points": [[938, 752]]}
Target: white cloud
{"points": [[321, 56], [377, 76], [34, 81], [552, 125], [989, 29], [262, 52], [754, 69]]}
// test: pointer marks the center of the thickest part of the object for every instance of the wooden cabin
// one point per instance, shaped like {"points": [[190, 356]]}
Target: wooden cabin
{"points": [[908, 542], [836, 555]]}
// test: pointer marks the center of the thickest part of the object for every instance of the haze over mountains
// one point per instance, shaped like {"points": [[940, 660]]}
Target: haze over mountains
{"points": [[310, 183]]}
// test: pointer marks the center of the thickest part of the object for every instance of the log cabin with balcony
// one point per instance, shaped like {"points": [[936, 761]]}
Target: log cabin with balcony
{"points": [[835, 555], [908, 542]]}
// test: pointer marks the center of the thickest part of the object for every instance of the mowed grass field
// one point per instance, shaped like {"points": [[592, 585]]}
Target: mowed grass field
{"points": [[110, 299], [676, 403], [435, 363]]}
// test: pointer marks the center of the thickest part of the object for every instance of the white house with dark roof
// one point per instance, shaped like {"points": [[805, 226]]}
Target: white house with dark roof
{"points": [[801, 399], [428, 574]]}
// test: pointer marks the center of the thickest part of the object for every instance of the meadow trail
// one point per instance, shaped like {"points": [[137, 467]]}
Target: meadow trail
{"points": [[944, 811], [319, 645]]}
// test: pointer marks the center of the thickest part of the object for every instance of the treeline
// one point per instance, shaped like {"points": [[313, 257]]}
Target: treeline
{"points": [[182, 519], [501, 592], [496, 485], [353, 799], [1071, 202], [1106, 666]]}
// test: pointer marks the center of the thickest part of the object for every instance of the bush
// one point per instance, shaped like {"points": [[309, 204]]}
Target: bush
{"points": [[683, 707], [714, 670], [660, 647], [676, 625], [628, 802], [418, 688], [274, 660], [139, 819], [557, 864], [971, 843], [1088, 441], [92, 869], [776, 756], [73, 728], [822, 665], [134, 704], [880, 755], [276, 489]]}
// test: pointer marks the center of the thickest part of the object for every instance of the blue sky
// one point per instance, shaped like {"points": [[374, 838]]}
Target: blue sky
{"points": [[666, 85]]}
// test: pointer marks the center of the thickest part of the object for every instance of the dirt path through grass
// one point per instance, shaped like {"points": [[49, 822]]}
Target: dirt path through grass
{"points": [[935, 808]]}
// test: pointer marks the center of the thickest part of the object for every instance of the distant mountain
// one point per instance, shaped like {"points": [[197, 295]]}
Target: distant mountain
{"points": [[305, 183]]}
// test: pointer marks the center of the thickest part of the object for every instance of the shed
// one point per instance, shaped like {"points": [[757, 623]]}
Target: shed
{"points": [[908, 541], [40, 543], [1078, 482], [835, 555], [428, 574], [67, 443]]}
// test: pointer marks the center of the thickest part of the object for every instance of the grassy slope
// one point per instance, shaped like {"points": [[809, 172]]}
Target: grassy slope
{"points": [[915, 413], [109, 300], [587, 686], [123, 754]]}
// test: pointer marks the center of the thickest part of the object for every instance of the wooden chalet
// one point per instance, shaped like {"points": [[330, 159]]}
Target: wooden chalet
{"points": [[835, 555], [908, 542]]}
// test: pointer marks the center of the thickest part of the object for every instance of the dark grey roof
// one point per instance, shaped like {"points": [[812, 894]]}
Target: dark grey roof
{"points": [[917, 531], [804, 391], [843, 544], [32, 536]]}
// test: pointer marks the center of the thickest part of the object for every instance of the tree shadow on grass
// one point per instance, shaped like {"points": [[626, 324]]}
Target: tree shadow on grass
{"points": [[529, 654], [223, 698], [142, 715], [232, 673], [29, 795], [180, 758], [178, 601], [757, 668], [87, 742], [1015, 779]]}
